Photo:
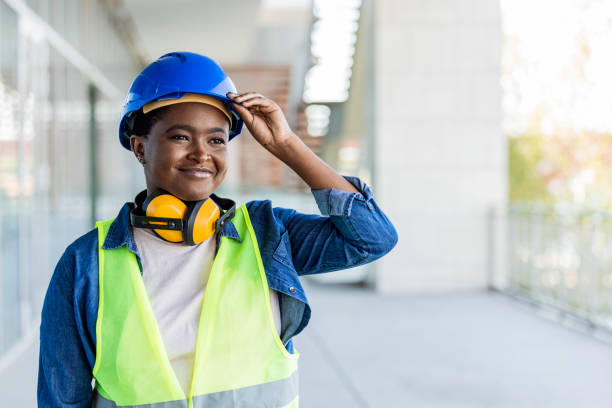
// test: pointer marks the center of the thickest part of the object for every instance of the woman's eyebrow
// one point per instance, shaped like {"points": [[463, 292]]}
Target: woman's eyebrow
{"points": [[191, 129], [216, 130], [182, 127]]}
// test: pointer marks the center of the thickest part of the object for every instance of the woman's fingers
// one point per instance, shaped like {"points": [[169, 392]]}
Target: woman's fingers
{"points": [[257, 101], [244, 113], [262, 116], [245, 96]]}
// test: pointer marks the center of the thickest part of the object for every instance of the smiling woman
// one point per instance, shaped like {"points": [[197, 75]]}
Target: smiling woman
{"points": [[185, 299]]}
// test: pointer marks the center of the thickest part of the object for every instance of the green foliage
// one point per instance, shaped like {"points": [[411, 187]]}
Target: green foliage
{"points": [[570, 169], [526, 184]]}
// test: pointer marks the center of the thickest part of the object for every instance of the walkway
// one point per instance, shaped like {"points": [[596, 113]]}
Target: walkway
{"points": [[472, 350]]}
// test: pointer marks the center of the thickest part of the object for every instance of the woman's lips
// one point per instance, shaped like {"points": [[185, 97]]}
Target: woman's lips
{"points": [[197, 172]]}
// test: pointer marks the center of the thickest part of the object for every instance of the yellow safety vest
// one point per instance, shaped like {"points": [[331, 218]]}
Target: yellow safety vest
{"points": [[239, 359]]}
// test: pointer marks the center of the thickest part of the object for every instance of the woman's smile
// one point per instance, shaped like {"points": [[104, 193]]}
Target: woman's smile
{"points": [[197, 172]]}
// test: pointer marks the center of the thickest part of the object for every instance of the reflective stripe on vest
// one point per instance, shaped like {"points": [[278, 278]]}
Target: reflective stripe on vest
{"points": [[274, 394], [239, 359]]}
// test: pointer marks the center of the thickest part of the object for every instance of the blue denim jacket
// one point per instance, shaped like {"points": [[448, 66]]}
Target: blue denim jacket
{"points": [[353, 231]]}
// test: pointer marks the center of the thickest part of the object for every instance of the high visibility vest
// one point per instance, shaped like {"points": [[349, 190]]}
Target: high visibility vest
{"points": [[239, 359]]}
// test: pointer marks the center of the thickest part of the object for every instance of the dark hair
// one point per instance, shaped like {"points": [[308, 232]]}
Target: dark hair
{"points": [[140, 124]]}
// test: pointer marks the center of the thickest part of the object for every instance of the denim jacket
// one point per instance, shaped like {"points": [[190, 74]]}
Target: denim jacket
{"points": [[352, 231]]}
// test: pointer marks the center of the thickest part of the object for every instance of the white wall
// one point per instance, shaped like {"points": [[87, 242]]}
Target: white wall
{"points": [[440, 161]]}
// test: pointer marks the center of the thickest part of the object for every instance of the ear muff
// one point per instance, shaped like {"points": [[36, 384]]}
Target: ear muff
{"points": [[198, 218], [165, 205], [201, 222]]}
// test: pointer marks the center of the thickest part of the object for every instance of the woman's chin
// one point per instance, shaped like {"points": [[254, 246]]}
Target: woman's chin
{"points": [[191, 195]]}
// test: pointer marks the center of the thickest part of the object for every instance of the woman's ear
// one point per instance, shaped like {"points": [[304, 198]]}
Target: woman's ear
{"points": [[137, 144]]}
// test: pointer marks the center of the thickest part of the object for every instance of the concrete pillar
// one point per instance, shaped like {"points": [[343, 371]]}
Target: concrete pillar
{"points": [[440, 160]]}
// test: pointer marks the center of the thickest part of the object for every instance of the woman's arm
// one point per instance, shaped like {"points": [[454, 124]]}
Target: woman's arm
{"points": [[353, 230], [64, 374], [266, 122]]}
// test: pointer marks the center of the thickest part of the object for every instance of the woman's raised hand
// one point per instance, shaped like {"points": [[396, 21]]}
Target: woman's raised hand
{"points": [[264, 119], [269, 127]]}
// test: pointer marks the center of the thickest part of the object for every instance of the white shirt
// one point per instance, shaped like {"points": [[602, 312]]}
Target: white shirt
{"points": [[175, 277]]}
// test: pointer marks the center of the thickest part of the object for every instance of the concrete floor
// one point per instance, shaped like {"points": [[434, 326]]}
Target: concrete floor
{"points": [[431, 351], [445, 351]]}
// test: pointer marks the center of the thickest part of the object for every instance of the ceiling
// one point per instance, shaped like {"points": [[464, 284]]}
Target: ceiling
{"points": [[233, 32]]}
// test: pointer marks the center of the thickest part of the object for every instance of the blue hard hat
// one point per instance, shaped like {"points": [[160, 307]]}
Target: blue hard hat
{"points": [[174, 75]]}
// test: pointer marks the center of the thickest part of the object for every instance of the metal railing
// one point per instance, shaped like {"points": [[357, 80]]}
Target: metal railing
{"points": [[559, 258]]}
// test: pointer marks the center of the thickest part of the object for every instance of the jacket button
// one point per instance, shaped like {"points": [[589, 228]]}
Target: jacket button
{"points": [[292, 289]]}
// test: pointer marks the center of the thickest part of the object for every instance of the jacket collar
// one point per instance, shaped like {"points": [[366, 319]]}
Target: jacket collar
{"points": [[120, 232]]}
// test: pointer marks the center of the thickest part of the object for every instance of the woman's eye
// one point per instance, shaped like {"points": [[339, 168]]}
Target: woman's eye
{"points": [[179, 137], [218, 140]]}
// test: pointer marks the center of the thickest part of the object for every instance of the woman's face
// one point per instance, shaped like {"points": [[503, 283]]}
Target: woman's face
{"points": [[186, 151]]}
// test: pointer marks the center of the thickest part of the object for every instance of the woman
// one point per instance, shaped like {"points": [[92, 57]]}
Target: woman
{"points": [[184, 299]]}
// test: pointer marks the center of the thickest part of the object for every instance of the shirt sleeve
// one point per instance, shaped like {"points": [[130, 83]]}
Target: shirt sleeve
{"points": [[352, 231], [64, 374]]}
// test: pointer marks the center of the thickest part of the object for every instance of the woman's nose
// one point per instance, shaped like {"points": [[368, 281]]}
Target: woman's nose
{"points": [[199, 152]]}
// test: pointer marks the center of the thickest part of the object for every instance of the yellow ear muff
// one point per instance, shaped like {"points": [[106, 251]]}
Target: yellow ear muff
{"points": [[167, 206], [202, 222]]}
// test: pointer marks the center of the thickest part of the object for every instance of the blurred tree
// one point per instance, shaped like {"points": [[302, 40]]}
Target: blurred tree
{"points": [[556, 96], [525, 154], [562, 169]]}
